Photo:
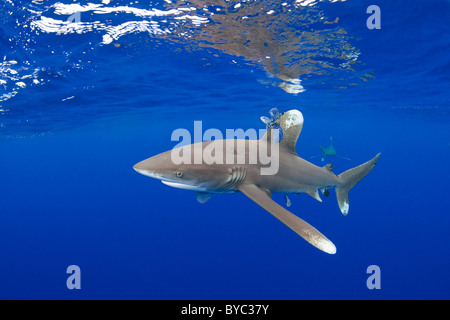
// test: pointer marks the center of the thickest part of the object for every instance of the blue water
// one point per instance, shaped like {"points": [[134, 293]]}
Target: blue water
{"points": [[82, 101]]}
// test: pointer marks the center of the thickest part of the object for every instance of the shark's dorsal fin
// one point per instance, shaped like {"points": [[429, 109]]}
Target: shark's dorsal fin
{"points": [[329, 167], [291, 122], [301, 227]]}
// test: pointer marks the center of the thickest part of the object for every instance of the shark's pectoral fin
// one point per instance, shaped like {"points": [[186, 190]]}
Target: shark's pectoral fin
{"points": [[202, 197], [302, 228]]}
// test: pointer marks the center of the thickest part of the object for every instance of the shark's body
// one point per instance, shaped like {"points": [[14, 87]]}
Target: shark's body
{"points": [[294, 175]]}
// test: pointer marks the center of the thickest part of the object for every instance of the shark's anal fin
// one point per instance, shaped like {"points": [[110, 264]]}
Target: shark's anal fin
{"points": [[315, 194], [202, 197], [301, 227]]}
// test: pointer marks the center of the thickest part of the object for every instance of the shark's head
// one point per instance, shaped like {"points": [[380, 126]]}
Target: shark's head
{"points": [[184, 176]]}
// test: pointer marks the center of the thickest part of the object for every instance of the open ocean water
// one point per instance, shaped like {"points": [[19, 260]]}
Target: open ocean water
{"points": [[89, 88]]}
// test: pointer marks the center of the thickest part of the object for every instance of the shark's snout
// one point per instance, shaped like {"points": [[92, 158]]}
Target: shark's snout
{"points": [[144, 169], [157, 167], [140, 170]]}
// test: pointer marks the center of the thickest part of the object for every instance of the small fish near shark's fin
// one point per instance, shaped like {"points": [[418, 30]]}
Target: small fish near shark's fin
{"points": [[291, 123], [301, 227], [325, 191], [202, 197], [266, 121]]}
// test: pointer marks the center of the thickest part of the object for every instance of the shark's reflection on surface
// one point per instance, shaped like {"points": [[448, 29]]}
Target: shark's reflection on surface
{"points": [[294, 41]]}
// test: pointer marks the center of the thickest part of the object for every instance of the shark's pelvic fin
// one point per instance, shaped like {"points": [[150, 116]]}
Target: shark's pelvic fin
{"points": [[349, 179], [301, 227], [202, 197], [288, 201]]}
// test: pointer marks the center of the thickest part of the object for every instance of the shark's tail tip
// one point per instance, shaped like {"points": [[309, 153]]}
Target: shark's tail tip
{"points": [[375, 159]]}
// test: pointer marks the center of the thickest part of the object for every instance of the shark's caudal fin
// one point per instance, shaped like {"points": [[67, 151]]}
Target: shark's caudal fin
{"points": [[349, 179]]}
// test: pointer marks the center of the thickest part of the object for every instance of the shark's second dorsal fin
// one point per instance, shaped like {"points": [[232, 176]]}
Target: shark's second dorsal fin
{"points": [[291, 122]]}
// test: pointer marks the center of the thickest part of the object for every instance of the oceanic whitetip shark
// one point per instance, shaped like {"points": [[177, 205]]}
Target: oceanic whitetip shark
{"points": [[294, 175], [329, 152]]}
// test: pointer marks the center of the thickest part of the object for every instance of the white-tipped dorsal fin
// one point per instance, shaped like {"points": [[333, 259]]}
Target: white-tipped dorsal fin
{"points": [[291, 122]]}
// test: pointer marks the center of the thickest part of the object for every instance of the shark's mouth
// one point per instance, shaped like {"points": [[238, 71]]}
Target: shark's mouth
{"points": [[147, 173], [184, 186], [169, 182]]}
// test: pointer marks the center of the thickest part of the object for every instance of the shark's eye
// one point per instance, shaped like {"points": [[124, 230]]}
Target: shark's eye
{"points": [[179, 173]]}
